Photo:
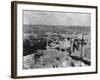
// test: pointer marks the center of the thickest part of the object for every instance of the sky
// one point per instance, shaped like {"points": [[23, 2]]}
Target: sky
{"points": [[56, 18]]}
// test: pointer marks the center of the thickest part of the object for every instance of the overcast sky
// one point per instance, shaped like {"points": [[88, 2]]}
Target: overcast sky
{"points": [[56, 18]]}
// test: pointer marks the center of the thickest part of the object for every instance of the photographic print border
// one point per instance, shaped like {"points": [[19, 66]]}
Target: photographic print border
{"points": [[14, 37]]}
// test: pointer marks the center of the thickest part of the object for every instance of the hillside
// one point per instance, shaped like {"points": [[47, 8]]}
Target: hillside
{"points": [[55, 28]]}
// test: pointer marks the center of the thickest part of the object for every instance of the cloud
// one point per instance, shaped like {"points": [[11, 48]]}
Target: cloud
{"points": [[56, 18]]}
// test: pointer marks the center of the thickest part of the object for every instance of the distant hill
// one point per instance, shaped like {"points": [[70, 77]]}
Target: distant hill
{"points": [[55, 28]]}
